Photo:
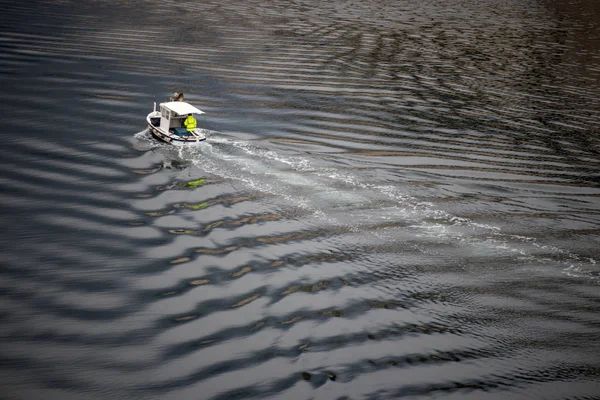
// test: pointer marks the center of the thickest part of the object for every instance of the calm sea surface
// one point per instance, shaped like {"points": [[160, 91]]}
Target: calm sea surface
{"points": [[397, 199]]}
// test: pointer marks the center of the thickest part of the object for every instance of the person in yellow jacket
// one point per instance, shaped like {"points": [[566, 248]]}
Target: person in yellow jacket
{"points": [[190, 123]]}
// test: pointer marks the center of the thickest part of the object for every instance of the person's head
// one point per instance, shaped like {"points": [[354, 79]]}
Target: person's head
{"points": [[180, 97], [189, 115]]}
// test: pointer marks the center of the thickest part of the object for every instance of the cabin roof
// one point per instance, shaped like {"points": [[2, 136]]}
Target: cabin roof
{"points": [[181, 108]]}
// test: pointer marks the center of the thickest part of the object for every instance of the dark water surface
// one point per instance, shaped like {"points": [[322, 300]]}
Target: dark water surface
{"points": [[397, 199]]}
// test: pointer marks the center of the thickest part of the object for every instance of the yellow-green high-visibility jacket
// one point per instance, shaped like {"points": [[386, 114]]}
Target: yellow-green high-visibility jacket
{"points": [[190, 123]]}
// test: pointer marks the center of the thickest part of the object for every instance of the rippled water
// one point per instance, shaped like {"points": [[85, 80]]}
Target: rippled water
{"points": [[397, 199]]}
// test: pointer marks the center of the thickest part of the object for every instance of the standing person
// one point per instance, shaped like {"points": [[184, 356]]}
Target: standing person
{"points": [[190, 123], [176, 97]]}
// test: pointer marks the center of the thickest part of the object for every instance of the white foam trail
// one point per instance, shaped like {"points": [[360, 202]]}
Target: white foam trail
{"points": [[143, 134], [144, 141], [313, 184]]}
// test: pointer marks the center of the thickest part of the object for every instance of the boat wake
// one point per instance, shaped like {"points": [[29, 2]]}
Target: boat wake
{"points": [[144, 141], [363, 200]]}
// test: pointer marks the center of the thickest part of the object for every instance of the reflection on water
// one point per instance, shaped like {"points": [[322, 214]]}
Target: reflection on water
{"points": [[396, 199]]}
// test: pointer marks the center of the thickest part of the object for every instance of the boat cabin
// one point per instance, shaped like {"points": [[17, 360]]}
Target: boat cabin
{"points": [[172, 115]]}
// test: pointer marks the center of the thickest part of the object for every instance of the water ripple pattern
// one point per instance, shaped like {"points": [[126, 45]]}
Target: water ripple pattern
{"points": [[396, 199]]}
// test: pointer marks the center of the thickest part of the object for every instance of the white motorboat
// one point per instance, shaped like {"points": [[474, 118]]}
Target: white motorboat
{"points": [[166, 124]]}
